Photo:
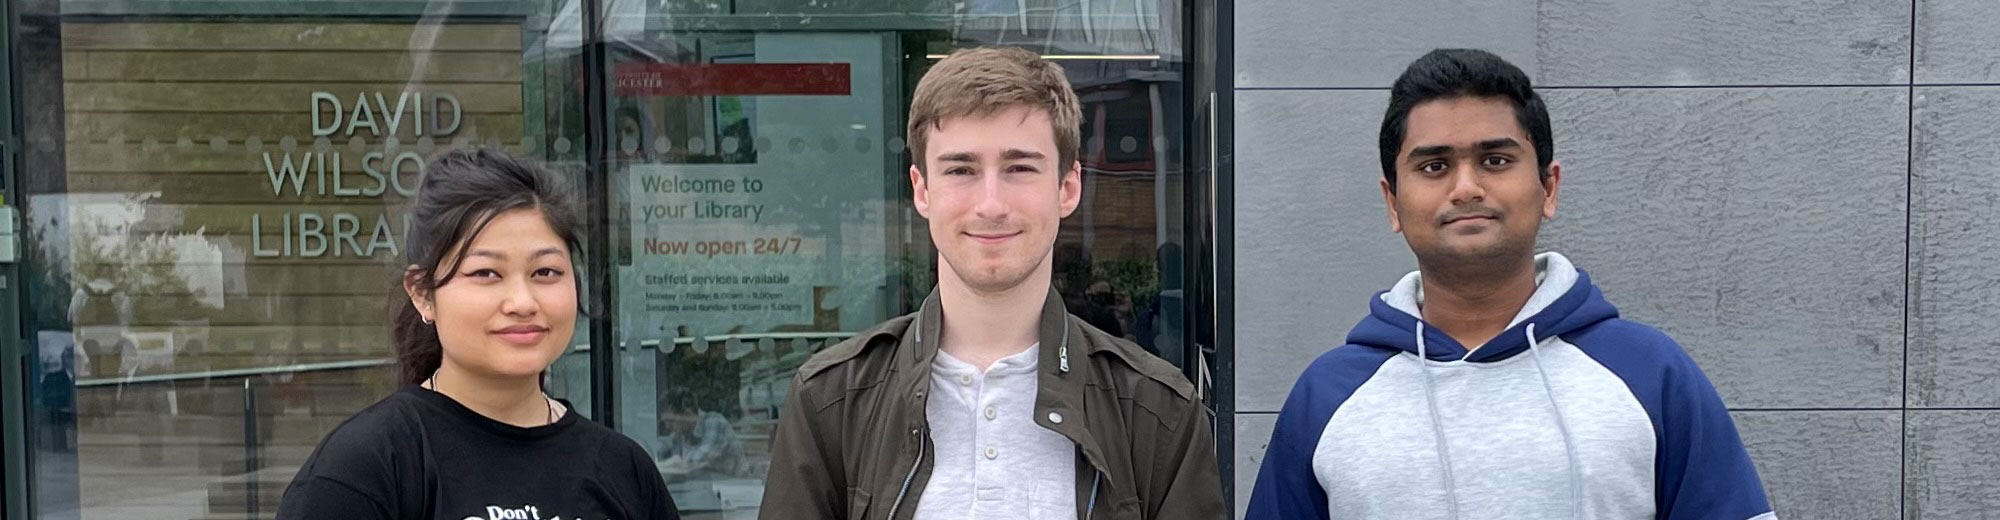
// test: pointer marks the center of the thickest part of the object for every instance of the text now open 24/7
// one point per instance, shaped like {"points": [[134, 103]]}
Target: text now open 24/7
{"points": [[714, 248]]}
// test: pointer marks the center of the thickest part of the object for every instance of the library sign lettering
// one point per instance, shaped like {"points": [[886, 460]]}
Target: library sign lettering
{"points": [[327, 173]]}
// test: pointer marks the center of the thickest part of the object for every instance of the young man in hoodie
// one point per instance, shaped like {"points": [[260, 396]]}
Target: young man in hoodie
{"points": [[992, 401], [1495, 382]]}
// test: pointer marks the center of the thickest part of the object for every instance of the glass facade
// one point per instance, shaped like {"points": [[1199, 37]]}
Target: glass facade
{"points": [[210, 198]]}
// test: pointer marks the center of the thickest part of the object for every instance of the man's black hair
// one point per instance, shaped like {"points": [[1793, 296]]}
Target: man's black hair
{"points": [[1452, 73]]}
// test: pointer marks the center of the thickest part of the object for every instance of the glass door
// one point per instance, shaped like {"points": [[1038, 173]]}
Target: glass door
{"points": [[761, 201], [214, 203]]}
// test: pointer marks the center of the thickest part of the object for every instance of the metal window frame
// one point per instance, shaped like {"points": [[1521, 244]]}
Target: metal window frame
{"points": [[597, 178], [1209, 268], [16, 471]]}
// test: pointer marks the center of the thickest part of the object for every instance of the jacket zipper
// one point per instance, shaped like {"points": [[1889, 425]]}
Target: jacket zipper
{"points": [[922, 439], [898, 505], [1091, 510]]}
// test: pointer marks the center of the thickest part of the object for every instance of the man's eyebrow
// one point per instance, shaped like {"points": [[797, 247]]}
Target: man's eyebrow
{"points": [[1431, 151], [1015, 154], [1498, 143]]}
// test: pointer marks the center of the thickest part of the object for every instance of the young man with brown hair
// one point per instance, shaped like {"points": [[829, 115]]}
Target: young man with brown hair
{"points": [[992, 401]]}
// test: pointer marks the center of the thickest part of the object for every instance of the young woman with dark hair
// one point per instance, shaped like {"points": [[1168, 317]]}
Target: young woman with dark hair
{"points": [[491, 303]]}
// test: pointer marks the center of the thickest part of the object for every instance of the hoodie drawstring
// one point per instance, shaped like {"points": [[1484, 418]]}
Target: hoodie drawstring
{"points": [[1437, 424], [1444, 453], [1569, 445]]}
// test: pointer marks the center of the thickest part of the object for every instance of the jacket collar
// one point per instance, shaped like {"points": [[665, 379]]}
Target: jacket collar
{"points": [[1062, 372]]}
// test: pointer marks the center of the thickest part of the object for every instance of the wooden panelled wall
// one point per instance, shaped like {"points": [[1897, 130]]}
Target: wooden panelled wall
{"points": [[167, 125], [147, 105]]}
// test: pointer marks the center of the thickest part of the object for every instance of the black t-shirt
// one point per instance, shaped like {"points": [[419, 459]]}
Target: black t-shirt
{"points": [[420, 455]]}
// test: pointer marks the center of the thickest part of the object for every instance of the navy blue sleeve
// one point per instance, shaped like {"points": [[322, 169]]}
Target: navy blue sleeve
{"points": [[1700, 466], [1287, 487]]}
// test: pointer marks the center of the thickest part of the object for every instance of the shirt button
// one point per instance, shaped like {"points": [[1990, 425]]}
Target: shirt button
{"points": [[1055, 417], [992, 453], [990, 412], [965, 380]]}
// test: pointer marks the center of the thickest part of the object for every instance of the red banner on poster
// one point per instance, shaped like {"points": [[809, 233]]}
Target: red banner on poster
{"points": [[732, 79]]}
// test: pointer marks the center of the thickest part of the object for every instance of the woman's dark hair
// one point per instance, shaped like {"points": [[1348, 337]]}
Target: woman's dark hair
{"points": [[461, 191], [1452, 73]]}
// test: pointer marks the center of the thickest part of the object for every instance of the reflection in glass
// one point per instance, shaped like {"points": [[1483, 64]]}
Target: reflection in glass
{"points": [[202, 316], [205, 311]]}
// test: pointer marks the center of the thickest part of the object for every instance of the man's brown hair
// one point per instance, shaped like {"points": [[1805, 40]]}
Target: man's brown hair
{"points": [[985, 80]]}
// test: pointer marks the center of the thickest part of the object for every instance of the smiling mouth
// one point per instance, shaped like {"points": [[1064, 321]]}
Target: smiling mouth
{"points": [[522, 335], [992, 238]]}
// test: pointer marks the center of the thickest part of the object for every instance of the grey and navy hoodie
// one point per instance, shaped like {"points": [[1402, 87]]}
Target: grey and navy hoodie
{"points": [[1570, 413]]}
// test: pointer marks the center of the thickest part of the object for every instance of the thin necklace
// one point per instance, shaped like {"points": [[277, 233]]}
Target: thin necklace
{"points": [[546, 400]]}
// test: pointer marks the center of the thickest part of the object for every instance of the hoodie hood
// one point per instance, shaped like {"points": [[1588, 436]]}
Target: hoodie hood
{"points": [[1658, 439], [1564, 301]]}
